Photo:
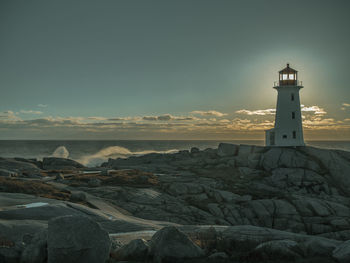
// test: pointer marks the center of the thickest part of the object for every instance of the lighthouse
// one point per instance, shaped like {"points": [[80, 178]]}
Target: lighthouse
{"points": [[288, 130]]}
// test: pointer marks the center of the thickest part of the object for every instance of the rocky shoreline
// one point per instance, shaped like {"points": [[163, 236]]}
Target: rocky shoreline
{"points": [[236, 203]]}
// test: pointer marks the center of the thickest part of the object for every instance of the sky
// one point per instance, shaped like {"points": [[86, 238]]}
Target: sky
{"points": [[161, 69]]}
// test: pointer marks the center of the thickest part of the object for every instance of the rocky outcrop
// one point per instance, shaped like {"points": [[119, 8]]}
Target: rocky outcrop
{"points": [[55, 163], [169, 243], [284, 188], [9, 166], [282, 200], [76, 239]]}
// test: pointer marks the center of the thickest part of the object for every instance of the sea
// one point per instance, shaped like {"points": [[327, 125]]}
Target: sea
{"points": [[95, 152]]}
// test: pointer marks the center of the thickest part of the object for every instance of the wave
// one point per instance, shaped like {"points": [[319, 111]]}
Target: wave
{"points": [[114, 152], [60, 152]]}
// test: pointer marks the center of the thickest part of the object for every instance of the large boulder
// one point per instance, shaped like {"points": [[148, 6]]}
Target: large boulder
{"points": [[54, 163], [227, 149], [137, 249], [171, 244], [12, 234], [35, 250], [77, 239]]}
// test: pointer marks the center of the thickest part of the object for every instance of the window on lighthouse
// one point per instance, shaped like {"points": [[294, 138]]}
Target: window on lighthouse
{"points": [[291, 76], [284, 76], [293, 115]]}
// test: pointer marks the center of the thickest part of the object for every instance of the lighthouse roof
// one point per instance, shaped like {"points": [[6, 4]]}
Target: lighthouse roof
{"points": [[288, 70]]}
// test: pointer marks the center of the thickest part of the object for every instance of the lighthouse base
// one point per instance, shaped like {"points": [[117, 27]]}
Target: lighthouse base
{"points": [[278, 137]]}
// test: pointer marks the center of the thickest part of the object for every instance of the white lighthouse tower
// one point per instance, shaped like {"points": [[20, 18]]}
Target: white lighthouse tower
{"points": [[288, 130]]}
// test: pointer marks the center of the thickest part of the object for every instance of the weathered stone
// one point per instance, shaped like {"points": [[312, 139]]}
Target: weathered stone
{"points": [[221, 166], [342, 252], [12, 234], [136, 249], [77, 239], [231, 162], [278, 157], [218, 255], [55, 163], [337, 165], [194, 150], [227, 149], [215, 210], [183, 188], [19, 167], [245, 150], [78, 197], [284, 249], [94, 182], [200, 197], [36, 250], [319, 247], [318, 207], [59, 177], [7, 173], [170, 243]]}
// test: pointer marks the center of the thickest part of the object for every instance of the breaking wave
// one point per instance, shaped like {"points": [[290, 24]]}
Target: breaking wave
{"points": [[60, 152], [113, 152]]}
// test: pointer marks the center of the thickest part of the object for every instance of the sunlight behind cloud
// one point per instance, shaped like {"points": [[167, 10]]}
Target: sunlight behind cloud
{"points": [[209, 113]]}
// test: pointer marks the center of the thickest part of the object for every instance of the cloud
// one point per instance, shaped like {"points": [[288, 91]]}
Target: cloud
{"points": [[150, 118], [42, 105], [166, 117], [169, 117], [124, 119], [31, 112], [8, 116], [95, 118], [209, 113], [345, 106], [314, 109], [160, 126], [257, 112]]}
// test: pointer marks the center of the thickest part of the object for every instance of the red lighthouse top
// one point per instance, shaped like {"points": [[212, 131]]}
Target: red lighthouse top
{"points": [[288, 76]]}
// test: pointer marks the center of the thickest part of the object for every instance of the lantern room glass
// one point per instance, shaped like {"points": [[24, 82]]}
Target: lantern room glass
{"points": [[288, 77]]}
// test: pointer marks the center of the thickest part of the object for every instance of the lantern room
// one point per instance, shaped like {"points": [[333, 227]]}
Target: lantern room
{"points": [[288, 76]]}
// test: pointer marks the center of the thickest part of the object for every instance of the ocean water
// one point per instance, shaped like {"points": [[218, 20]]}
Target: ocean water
{"points": [[92, 153]]}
